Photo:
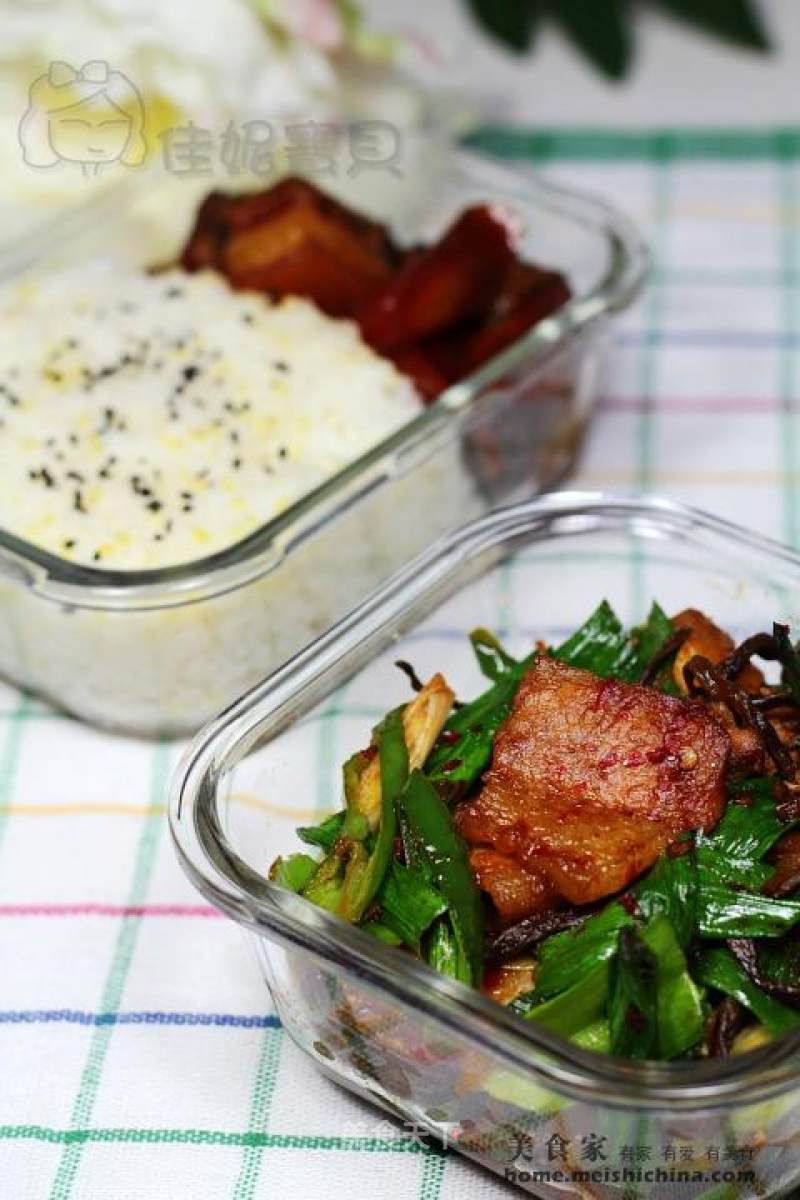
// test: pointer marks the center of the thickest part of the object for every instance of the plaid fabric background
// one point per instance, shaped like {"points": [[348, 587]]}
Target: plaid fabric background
{"points": [[139, 1059]]}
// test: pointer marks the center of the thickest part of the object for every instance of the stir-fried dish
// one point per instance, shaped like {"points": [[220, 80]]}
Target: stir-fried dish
{"points": [[606, 840]]}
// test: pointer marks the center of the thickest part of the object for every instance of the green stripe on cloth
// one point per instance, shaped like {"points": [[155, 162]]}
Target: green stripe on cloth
{"points": [[432, 1174], [260, 1104], [648, 377], [115, 980], [649, 145], [787, 425], [212, 1137], [9, 758]]}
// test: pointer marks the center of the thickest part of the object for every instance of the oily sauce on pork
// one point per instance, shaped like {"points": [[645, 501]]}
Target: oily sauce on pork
{"points": [[590, 781]]}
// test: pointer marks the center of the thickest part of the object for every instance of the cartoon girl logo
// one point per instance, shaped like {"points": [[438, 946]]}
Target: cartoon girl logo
{"points": [[93, 116]]}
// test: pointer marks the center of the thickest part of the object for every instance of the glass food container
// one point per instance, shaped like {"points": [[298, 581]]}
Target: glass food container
{"points": [[555, 1119], [158, 652]]}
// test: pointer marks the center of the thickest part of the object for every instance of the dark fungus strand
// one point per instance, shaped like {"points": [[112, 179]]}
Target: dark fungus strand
{"points": [[525, 934], [727, 1019], [774, 700], [408, 670], [702, 677], [762, 644], [670, 647], [745, 952], [77, 501]]}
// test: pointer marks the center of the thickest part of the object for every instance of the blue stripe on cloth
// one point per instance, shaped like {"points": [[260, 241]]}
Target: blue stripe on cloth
{"points": [[709, 339], [71, 1016]]}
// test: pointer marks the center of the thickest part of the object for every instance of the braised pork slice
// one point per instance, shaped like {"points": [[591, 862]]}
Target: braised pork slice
{"points": [[515, 892], [590, 781]]}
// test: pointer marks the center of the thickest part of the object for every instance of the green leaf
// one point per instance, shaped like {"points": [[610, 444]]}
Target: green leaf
{"points": [[383, 933], [293, 872], [745, 833], [444, 953], [457, 765], [600, 31], [670, 890], [446, 865], [647, 640], [779, 961], [580, 1006], [408, 903], [632, 997], [493, 659], [600, 645], [650, 637], [583, 960], [730, 869], [727, 913], [595, 1037], [565, 958], [736, 21], [325, 885], [679, 1004], [512, 22], [718, 968], [364, 875], [603, 647], [324, 834]]}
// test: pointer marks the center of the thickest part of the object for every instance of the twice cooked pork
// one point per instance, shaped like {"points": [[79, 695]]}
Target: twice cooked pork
{"points": [[591, 779]]}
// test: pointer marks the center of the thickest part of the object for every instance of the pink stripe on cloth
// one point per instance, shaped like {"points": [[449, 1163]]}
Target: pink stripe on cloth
{"points": [[108, 910], [691, 404]]}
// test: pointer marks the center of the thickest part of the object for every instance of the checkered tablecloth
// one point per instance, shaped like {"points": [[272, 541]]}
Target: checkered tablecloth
{"points": [[139, 1059]]}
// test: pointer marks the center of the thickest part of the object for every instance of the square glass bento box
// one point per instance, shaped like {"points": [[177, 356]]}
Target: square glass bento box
{"points": [[510, 1095], [158, 652]]}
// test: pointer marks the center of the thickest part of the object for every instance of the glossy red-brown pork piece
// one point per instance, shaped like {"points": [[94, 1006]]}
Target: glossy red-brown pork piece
{"points": [[292, 239], [437, 288], [590, 781]]}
